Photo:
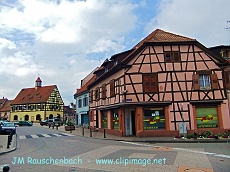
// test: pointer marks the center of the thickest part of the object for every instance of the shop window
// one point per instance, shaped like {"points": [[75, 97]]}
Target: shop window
{"points": [[115, 119], [104, 120], [172, 56], [154, 119], [112, 88], [206, 117], [150, 83]]}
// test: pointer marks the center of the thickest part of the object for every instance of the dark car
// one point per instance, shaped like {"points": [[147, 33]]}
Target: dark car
{"points": [[7, 128], [54, 122], [25, 123], [43, 122]]}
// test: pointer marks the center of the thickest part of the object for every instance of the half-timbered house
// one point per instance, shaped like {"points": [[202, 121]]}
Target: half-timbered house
{"points": [[165, 80], [37, 103]]}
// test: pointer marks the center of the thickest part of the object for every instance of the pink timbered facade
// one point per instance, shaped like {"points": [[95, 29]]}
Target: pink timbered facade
{"points": [[164, 80]]}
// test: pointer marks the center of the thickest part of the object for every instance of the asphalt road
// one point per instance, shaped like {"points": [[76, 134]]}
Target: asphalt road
{"points": [[42, 149]]}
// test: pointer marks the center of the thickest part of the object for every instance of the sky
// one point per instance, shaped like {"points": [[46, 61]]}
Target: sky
{"points": [[62, 41]]}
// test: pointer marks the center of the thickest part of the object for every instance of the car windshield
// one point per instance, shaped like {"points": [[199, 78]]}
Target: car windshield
{"points": [[8, 124]]}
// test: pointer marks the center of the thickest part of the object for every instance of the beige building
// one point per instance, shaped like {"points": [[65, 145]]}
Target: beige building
{"points": [[37, 103]]}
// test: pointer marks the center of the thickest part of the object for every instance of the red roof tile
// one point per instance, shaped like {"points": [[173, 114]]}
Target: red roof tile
{"points": [[33, 95], [159, 35], [6, 106]]}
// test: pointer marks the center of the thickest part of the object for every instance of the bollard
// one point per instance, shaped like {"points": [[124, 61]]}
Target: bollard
{"points": [[104, 133], [83, 131], [56, 127], [90, 131], [8, 142]]}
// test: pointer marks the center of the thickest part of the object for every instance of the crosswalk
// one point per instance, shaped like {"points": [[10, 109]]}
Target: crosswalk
{"points": [[34, 136]]}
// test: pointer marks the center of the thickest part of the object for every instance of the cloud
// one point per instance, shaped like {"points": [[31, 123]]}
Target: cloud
{"points": [[62, 41], [203, 20]]}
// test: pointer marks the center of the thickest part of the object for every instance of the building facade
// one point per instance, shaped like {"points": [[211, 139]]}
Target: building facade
{"points": [[37, 103], [163, 81], [5, 108], [82, 100]]}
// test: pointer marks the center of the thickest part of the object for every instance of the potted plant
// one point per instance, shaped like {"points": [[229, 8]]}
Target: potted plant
{"points": [[69, 126]]}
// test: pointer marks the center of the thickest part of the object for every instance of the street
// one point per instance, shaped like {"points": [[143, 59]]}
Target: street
{"points": [[44, 149]]}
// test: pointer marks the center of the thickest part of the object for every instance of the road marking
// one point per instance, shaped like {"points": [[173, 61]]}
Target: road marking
{"points": [[68, 134], [22, 137], [46, 135], [181, 149], [34, 136]]}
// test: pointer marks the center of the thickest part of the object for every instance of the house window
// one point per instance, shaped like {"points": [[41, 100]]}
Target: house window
{"points": [[85, 101], [205, 80], [112, 88], [172, 56], [103, 87], [79, 103], [150, 83], [97, 94]]}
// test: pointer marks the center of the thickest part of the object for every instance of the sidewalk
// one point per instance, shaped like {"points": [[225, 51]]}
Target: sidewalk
{"points": [[100, 135], [3, 144]]}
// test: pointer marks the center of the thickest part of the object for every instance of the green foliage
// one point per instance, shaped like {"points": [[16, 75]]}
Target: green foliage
{"points": [[69, 123]]}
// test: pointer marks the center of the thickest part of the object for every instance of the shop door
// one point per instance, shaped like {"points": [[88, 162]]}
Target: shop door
{"points": [[129, 122]]}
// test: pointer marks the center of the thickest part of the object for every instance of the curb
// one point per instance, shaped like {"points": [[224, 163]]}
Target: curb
{"points": [[14, 146], [155, 141]]}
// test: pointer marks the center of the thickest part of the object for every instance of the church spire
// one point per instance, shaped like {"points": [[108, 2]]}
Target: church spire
{"points": [[38, 82]]}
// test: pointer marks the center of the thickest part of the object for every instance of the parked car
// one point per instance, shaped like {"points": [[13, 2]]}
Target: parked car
{"points": [[7, 128], [44, 122], [54, 122], [25, 123], [16, 123]]}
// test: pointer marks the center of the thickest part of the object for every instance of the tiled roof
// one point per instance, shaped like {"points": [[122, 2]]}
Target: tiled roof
{"points": [[34, 95], [6, 106], [2, 100], [84, 88], [159, 35]]}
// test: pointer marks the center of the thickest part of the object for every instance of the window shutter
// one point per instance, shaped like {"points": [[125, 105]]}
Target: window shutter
{"points": [[91, 96], [91, 116], [147, 83], [195, 79], [154, 84], [226, 79], [103, 92], [112, 88], [214, 81]]}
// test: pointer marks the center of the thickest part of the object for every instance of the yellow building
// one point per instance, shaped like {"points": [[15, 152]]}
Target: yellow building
{"points": [[37, 103]]}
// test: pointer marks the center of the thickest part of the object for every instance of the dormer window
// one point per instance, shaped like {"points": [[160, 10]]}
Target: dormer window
{"points": [[106, 69]]}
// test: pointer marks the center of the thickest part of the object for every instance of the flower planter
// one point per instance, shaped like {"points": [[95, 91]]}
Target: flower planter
{"points": [[69, 128]]}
